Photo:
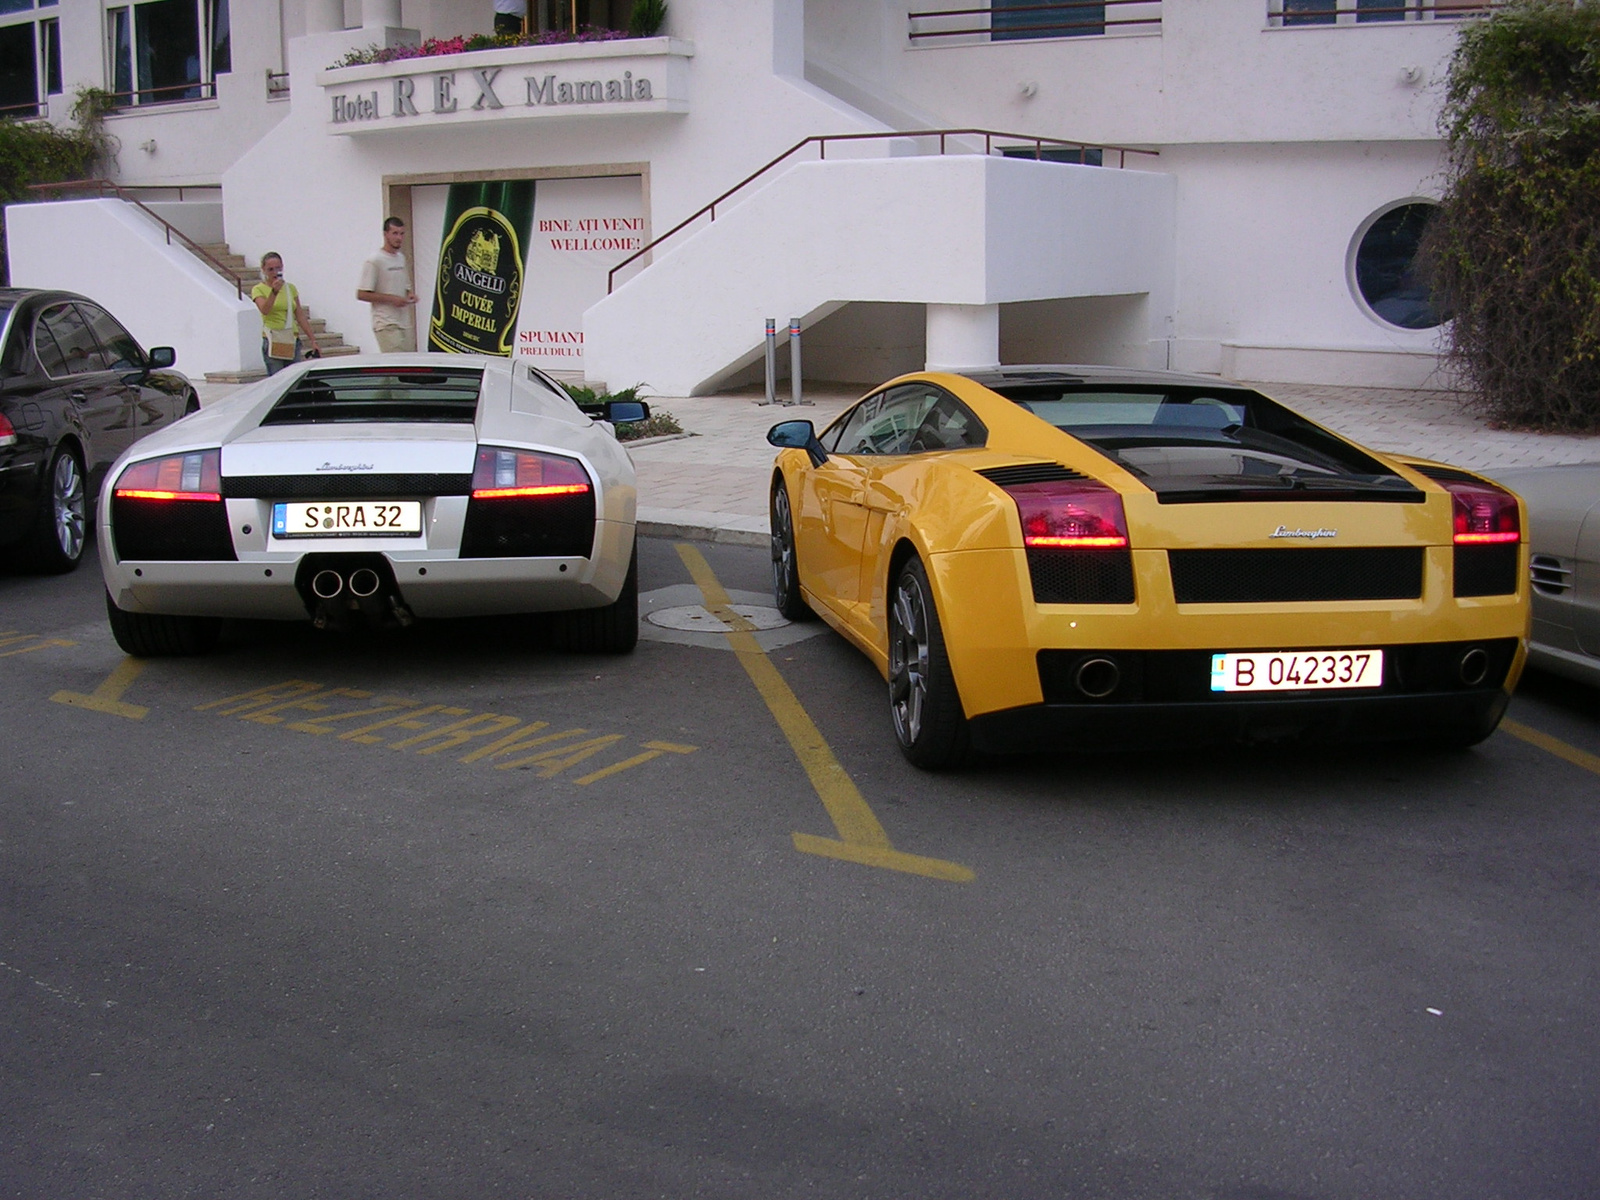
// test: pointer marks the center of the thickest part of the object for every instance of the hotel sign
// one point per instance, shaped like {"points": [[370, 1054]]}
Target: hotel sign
{"points": [[631, 76]]}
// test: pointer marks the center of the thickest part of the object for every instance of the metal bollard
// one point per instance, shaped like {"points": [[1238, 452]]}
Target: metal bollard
{"points": [[772, 362], [794, 362]]}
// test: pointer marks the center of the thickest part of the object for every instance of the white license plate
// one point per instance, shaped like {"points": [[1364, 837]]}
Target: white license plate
{"points": [[1296, 670], [348, 518]]}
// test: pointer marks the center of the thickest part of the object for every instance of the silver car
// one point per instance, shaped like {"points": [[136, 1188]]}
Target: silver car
{"points": [[382, 489], [1563, 505]]}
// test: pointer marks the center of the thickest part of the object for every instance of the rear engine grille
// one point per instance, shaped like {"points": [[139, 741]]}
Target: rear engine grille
{"points": [[1030, 473], [170, 530], [446, 394], [559, 526], [1550, 576], [1486, 570], [1299, 573], [1081, 576], [343, 487]]}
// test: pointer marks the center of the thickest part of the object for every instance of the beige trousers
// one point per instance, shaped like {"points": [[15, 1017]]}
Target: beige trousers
{"points": [[395, 341]]}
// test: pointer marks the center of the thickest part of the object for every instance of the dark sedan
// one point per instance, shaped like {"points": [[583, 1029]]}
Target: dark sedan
{"points": [[76, 390]]}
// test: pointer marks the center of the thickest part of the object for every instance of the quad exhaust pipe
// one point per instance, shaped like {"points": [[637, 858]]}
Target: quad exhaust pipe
{"points": [[325, 585], [1097, 678], [1473, 667], [342, 588]]}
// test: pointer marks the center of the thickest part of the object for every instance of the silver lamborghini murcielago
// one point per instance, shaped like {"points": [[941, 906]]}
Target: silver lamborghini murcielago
{"points": [[385, 488]]}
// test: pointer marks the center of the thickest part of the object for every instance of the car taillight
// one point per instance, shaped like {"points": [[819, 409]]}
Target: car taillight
{"points": [[170, 509], [8, 431], [1483, 514], [527, 504], [504, 474], [1070, 514], [196, 476]]}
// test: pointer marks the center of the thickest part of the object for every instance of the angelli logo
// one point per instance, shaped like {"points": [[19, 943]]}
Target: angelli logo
{"points": [[328, 466], [1283, 531]]}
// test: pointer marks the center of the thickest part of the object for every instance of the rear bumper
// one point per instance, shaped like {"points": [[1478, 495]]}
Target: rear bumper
{"points": [[431, 583], [1465, 716]]}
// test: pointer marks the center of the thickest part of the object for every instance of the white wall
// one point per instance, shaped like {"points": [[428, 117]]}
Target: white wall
{"points": [[959, 229], [319, 197], [114, 254], [1213, 73]]}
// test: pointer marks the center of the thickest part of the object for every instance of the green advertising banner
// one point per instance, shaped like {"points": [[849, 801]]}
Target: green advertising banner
{"points": [[480, 280]]}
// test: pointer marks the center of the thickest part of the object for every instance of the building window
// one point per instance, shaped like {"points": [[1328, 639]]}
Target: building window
{"points": [[30, 56], [167, 50], [1384, 271], [1010, 19], [1292, 13]]}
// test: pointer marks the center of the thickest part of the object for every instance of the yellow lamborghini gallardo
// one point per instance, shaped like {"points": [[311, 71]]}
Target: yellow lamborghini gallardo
{"points": [[1086, 557]]}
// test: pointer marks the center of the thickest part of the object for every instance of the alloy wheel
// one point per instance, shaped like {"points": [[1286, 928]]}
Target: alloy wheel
{"points": [[66, 491], [908, 659], [782, 548]]}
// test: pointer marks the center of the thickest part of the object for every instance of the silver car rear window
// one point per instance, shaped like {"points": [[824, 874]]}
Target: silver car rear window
{"points": [[432, 395]]}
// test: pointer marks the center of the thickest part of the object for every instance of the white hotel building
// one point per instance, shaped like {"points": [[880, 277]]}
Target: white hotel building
{"points": [[1253, 214]]}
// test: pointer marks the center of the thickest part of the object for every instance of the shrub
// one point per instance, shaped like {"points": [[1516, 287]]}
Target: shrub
{"points": [[657, 424], [1515, 248]]}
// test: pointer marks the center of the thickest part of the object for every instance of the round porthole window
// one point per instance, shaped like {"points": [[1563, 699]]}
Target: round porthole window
{"points": [[1384, 269]]}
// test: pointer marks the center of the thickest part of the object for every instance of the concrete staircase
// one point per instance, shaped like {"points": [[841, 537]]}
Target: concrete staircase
{"points": [[235, 269]]}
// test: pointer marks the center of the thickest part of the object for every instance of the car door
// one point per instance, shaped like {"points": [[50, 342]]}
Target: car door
{"points": [[927, 421], [830, 516], [73, 359], [152, 406], [1584, 608]]}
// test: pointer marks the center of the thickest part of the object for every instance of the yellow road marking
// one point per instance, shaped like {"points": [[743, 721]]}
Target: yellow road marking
{"points": [[652, 750], [1552, 745], [47, 642], [107, 698], [862, 838]]}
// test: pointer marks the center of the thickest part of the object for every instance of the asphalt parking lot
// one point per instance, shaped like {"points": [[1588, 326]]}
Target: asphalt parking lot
{"points": [[446, 914]]}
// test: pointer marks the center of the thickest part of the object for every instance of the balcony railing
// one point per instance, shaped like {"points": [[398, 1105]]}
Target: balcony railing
{"points": [[178, 93], [1294, 14], [1015, 22], [277, 84]]}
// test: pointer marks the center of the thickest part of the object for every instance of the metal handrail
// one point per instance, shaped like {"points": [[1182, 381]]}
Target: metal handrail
{"points": [[821, 141], [102, 186], [1061, 28]]}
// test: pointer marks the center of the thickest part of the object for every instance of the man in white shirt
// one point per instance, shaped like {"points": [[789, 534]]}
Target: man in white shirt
{"points": [[386, 285]]}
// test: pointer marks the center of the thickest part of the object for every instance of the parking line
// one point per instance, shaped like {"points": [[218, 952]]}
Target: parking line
{"points": [[1552, 745], [107, 698], [862, 838]]}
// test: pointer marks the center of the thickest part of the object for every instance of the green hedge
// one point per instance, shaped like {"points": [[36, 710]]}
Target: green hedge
{"points": [[1515, 250]]}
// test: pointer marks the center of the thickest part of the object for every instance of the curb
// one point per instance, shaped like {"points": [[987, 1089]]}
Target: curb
{"points": [[696, 528]]}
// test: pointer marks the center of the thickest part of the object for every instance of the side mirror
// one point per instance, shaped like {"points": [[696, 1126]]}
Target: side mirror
{"points": [[162, 357], [623, 412], [798, 435]]}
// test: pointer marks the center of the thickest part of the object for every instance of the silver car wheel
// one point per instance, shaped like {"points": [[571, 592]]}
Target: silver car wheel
{"points": [[908, 659], [782, 547], [66, 493]]}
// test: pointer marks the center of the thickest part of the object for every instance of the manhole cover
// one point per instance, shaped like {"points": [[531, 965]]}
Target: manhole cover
{"points": [[693, 618]]}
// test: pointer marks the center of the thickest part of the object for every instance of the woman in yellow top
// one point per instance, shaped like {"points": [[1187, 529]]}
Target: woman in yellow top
{"points": [[281, 311]]}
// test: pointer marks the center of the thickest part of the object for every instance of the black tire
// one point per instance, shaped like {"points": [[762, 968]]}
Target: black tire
{"points": [[613, 629], [924, 705], [151, 635], [785, 565], [60, 530]]}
